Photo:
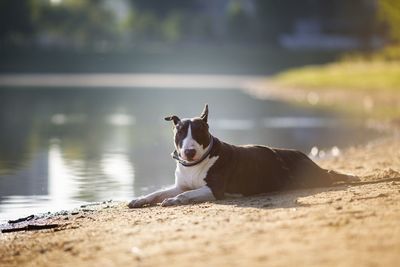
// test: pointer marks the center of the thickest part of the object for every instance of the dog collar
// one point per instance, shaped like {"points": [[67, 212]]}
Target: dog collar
{"points": [[175, 155]]}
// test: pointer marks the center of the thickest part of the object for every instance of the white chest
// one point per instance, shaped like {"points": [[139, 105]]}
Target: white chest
{"points": [[193, 177]]}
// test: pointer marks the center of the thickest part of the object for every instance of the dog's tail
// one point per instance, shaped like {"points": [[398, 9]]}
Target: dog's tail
{"points": [[340, 177]]}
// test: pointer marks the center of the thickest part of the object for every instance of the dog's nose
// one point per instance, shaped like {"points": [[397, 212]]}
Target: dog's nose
{"points": [[189, 153]]}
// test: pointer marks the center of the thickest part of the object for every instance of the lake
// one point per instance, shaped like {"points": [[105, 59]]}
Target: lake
{"points": [[61, 147]]}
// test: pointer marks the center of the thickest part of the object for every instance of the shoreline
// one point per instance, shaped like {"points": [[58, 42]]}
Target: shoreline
{"points": [[380, 107], [344, 225], [130, 80]]}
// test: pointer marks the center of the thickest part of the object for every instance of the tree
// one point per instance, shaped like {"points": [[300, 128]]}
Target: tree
{"points": [[389, 14], [162, 8], [78, 22], [15, 21]]}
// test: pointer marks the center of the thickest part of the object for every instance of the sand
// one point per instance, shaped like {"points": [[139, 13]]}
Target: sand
{"points": [[356, 225], [345, 225]]}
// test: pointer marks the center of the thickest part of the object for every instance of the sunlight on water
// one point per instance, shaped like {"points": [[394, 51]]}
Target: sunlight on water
{"points": [[120, 119], [275, 122], [299, 122], [61, 180], [316, 153], [230, 124], [61, 119], [119, 169]]}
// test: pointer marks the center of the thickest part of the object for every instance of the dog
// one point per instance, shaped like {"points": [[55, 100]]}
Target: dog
{"points": [[208, 169]]}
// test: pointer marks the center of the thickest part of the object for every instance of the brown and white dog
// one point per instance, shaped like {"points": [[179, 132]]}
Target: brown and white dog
{"points": [[208, 169]]}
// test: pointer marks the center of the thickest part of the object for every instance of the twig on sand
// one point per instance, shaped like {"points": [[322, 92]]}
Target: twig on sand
{"points": [[27, 218], [31, 227]]}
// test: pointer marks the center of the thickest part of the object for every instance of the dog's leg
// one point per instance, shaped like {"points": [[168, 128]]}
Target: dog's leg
{"points": [[155, 197], [202, 194]]}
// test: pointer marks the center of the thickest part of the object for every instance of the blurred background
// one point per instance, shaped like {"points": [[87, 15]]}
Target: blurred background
{"points": [[223, 36], [84, 86]]}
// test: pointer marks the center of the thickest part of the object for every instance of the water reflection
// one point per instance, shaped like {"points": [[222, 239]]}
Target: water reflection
{"points": [[60, 147], [120, 119], [60, 177]]}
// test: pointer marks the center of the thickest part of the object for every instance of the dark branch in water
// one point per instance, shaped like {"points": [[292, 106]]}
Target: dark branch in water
{"points": [[30, 227]]}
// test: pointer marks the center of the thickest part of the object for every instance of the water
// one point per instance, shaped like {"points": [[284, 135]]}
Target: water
{"points": [[62, 147]]}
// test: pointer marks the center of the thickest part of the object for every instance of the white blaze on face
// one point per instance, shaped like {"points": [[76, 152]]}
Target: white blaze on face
{"points": [[190, 143]]}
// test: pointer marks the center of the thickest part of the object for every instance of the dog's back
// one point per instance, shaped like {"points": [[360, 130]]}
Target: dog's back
{"points": [[250, 170]]}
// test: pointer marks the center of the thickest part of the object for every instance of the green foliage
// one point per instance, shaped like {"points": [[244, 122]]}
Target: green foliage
{"points": [[387, 54], [142, 25], [163, 8], [239, 23], [151, 20], [354, 18], [86, 23], [361, 87], [344, 75], [146, 26], [15, 21], [389, 13], [278, 16], [78, 22], [172, 27]]}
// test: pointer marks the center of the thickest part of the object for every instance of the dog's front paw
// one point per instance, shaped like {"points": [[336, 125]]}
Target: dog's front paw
{"points": [[138, 203], [174, 201]]}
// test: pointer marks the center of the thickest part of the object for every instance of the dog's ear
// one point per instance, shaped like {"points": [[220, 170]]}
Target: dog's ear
{"points": [[204, 114], [173, 118]]}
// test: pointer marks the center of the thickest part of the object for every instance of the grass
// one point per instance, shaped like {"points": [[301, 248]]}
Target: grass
{"points": [[358, 71], [369, 82], [347, 75]]}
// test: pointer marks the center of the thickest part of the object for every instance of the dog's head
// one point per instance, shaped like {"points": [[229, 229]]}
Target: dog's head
{"points": [[191, 136]]}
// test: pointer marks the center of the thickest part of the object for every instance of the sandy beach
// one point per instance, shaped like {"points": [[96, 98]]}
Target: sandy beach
{"points": [[344, 225]]}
